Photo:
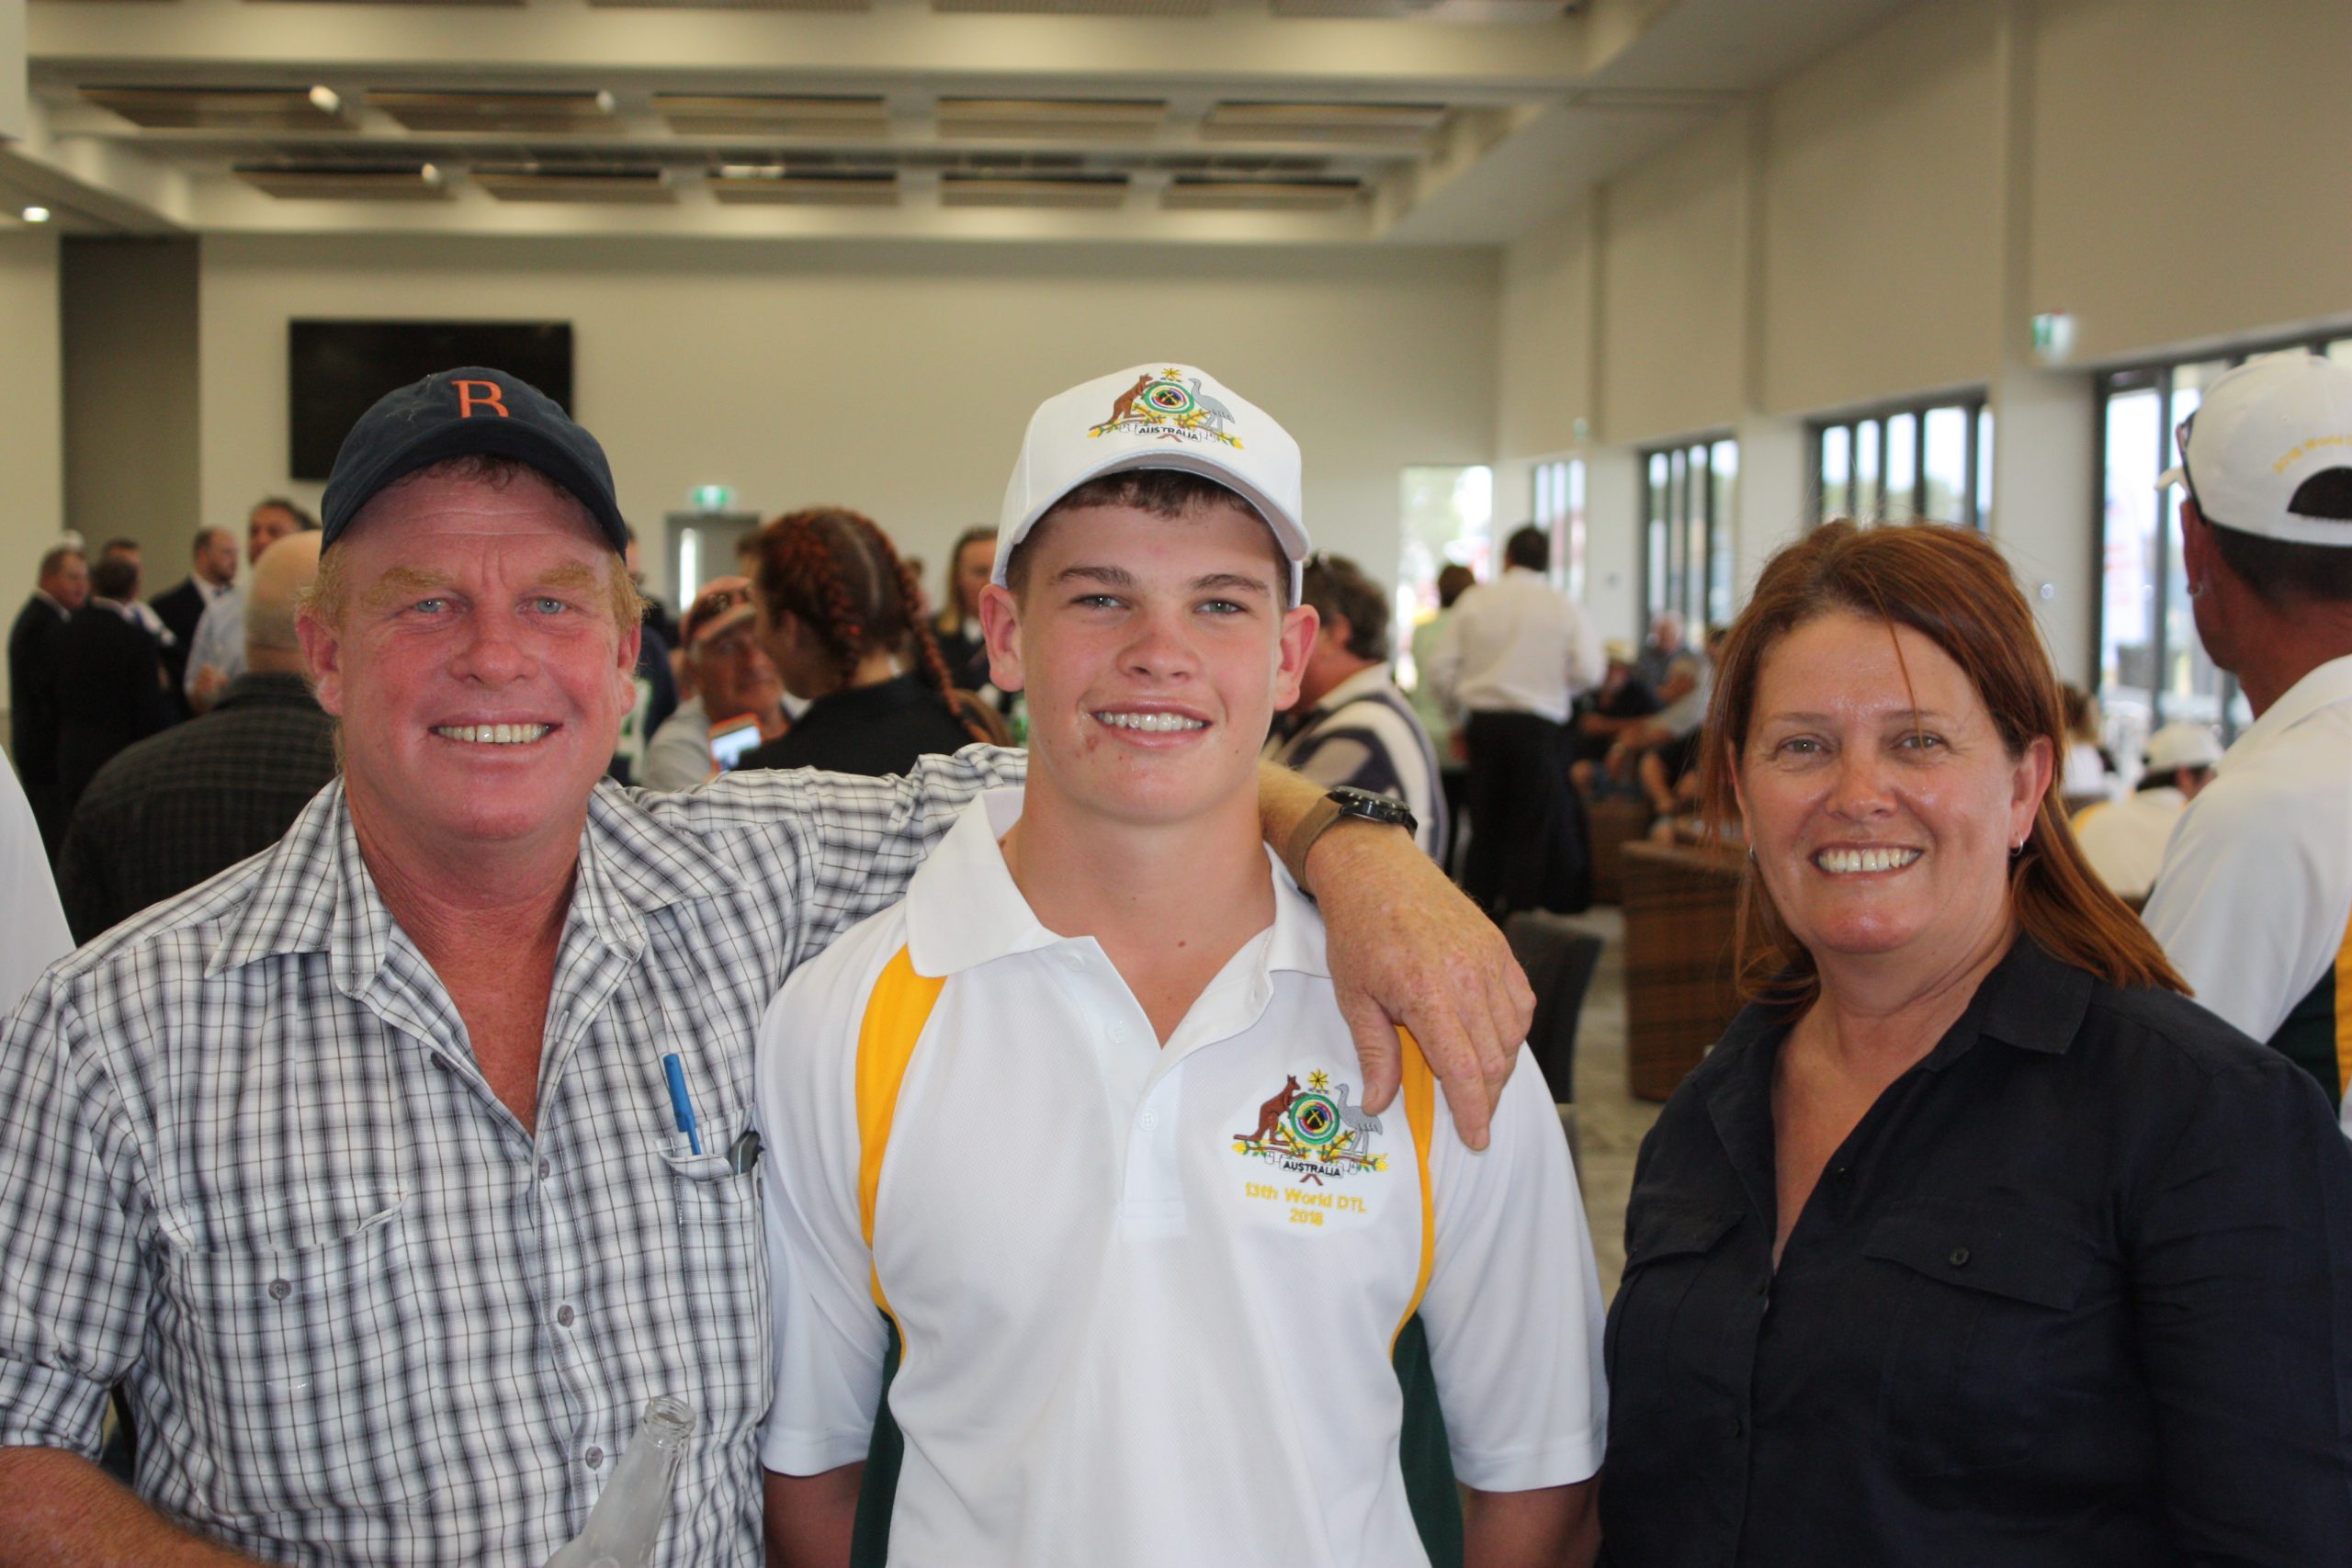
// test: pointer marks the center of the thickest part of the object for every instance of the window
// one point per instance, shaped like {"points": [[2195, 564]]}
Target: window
{"points": [[2152, 665], [1559, 511], [1932, 460], [1448, 515], [1687, 503]]}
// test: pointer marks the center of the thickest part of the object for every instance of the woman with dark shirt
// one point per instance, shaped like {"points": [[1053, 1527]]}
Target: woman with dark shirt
{"points": [[957, 627], [835, 618], [1974, 1242]]}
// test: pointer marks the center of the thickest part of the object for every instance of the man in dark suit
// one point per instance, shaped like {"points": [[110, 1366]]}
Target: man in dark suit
{"points": [[106, 679], [62, 587], [212, 570]]}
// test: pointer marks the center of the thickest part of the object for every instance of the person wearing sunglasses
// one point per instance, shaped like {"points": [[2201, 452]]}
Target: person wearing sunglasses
{"points": [[733, 679]]}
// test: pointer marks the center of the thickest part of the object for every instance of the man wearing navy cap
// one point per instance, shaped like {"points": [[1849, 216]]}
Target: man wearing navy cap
{"points": [[391, 1173]]}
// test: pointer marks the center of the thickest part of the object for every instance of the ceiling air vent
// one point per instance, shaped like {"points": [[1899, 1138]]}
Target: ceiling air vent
{"points": [[963, 189], [580, 182], [774, 185], [1193, 194], [472, 111], [758, 114], [1384, 123], [1030, 120], [345, 182], [225, 108], [1078, 8]]}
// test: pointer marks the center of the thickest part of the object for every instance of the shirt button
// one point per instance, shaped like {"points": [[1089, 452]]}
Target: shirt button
{"points": [[280, 1288], [563, 1315], [1150, 1119], [1118, 1033], [1733, 1427], [1071, 960], [547, 1169], [593, 1458], [1960, 1257], [442, 1065]]}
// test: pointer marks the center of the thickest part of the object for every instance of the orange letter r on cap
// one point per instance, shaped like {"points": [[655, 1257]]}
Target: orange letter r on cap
{"points": [[490, 396]]}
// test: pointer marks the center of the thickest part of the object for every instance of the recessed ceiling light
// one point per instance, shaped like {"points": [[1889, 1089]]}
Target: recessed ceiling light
{"points": [[326, 100], [36, 214]]}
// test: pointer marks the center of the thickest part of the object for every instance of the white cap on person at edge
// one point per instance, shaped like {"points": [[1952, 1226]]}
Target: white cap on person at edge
{"points": [[1155, 415], [2261, 431]]}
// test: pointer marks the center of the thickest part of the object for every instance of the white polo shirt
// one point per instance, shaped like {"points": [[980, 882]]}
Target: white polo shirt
{"points": [[2124, 839], [1516, 645], [1148, 1294], [2254, 905]]}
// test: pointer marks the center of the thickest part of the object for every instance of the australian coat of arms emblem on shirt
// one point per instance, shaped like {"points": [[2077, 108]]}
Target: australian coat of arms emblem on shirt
{"points": [[1171, 406], [1313, 1133]]}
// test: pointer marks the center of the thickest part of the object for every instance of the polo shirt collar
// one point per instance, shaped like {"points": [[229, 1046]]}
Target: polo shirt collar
{"points": [[314, 895], [964, 909], [2321, 688], [1362, 684]]}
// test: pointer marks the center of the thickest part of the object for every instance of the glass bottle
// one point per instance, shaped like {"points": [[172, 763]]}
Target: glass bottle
{"points": [[626, 1520]]}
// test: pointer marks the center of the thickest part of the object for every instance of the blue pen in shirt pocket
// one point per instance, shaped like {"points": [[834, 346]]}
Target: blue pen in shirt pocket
{"points": [[680, 1103]]}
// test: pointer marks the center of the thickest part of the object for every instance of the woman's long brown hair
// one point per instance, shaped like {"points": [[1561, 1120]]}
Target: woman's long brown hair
{"points": [[836, 570], [1950, 586]]}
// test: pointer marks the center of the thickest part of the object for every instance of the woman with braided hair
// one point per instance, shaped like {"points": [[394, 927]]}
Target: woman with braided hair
{"points": [[836, 616]]}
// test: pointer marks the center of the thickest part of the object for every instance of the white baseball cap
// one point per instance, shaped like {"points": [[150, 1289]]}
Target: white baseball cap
{"points": [[2260, 432], [2182, 746], [1155, 415]]}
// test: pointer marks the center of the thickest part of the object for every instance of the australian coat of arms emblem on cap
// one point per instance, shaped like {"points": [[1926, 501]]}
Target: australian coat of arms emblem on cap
{"points": [[1170, 406]]}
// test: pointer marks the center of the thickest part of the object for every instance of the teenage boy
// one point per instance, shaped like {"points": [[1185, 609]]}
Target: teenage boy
{"points": [[1084, 1249]]}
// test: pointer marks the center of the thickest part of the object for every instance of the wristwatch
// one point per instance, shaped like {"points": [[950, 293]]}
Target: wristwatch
{"points": [[1341, 804]]}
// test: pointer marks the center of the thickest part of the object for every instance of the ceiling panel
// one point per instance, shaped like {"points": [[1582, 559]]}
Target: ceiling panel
{"points": [[467, 111], [777, 186], [323, 182], [1242, 119], [774, 114], [1193, 193], [223, 108], [962, 189], [583, 183], [1071, 119]]}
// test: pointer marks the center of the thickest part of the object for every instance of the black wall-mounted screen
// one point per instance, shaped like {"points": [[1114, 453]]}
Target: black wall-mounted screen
{"points": [[338, 368]]}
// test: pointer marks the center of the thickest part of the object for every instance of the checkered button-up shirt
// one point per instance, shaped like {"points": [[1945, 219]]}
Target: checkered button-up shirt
{"points": [[250, 1171]]}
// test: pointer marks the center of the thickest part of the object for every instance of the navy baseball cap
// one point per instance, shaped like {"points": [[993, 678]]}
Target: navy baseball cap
{"points": [[462, 412]]}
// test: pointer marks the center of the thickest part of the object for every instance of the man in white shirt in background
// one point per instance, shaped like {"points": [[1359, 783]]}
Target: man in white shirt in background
{"points": [[216, 656], [2125, 838], [1514, 655], [1084, 1253], [2254, 905]]}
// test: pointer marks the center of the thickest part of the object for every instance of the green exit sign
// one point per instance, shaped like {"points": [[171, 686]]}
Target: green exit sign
{"points": [[712, 498]]}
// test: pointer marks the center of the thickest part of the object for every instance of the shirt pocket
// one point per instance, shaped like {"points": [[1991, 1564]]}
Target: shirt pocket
{"points": [[1983, 1305], [310, 1373], [722, 1266], [1658, 1328]]}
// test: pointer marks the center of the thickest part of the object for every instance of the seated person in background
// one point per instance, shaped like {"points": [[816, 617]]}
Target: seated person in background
{"points": [[1167, 1338], [1660, 648], [1653, 752], [1354, 727], [732, 677], [2124, 840], [2087, 769], [202, 796], [958, 626], [106, 682], [1608, 711], [835, 617]]}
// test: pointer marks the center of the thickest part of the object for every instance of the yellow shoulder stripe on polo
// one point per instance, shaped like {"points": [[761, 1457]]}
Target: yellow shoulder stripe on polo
{"points": [[895, 1012], [1420, 1094], [2344, 1012]]}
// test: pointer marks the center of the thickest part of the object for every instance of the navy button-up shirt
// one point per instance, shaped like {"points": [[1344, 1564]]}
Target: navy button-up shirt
{"points": [[2077, 1290]]}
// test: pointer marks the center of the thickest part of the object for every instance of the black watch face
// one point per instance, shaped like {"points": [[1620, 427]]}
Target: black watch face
{"points": [[1372, 807]]}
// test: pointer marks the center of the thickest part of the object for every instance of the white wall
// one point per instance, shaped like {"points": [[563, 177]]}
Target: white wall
{"points": [[1883, 224], [895, 381], [32, 508], [128, 338]]}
